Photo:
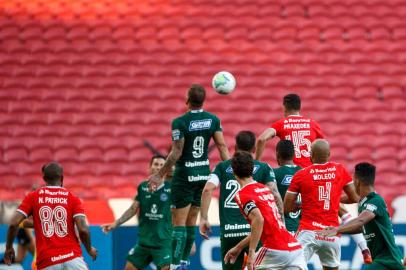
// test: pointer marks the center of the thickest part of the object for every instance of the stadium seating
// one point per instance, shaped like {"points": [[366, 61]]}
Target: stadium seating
{"points": [[95, 84]]}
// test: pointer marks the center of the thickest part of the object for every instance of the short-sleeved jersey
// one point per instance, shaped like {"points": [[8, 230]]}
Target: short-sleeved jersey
{"points": [[283, 177], [155, 229], [379, 232], [232, 223], [274, 234], [302, 132], [320, 186], [197, 128], [53, 210]]}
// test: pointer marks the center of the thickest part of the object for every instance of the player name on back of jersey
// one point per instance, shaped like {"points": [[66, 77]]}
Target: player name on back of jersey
{"points": [[53, 200], [323, 174], [296, 123]]}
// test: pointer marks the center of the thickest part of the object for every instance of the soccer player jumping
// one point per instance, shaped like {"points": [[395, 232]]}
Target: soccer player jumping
{"points": [[55, 213], [320, 186], [191, 134]]}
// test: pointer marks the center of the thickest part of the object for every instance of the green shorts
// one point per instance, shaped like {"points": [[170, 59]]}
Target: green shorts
{"points": [[226, 245], [184, 192], [141, 256], [382, 265]]}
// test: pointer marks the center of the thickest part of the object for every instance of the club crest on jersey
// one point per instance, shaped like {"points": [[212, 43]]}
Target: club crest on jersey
{"points": [[286, 180], [164, 197], [200, 124], [230, 169]]}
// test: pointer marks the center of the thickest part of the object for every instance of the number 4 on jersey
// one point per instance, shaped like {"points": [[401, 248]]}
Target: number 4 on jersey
{"points": [[324, 195]]}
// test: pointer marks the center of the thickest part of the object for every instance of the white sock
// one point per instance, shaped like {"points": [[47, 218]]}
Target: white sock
{"points": [[358, 238]]}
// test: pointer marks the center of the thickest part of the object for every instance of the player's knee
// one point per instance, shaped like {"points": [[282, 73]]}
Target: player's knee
{"points": [[166, 267], [130, 266]]}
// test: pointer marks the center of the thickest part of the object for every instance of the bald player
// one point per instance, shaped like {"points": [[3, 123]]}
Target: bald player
{"points": [[320, 186]]}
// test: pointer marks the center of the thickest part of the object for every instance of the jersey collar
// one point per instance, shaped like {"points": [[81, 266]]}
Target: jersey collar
{"points": [[161, 186], [253, 182], [196, 111], [53, 187]]}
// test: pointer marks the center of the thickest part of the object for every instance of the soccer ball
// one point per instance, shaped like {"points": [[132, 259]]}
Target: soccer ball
{"points": [[223, 82]]}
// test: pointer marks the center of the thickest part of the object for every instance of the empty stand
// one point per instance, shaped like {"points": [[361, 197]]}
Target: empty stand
{"points": [[95, 86]]}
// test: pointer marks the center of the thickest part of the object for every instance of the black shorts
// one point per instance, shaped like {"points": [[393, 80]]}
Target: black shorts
{"points": [[23, 238]]}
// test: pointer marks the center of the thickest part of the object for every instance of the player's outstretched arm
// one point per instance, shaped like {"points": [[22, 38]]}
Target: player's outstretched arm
{"points": [[221, 145], [204, 225], [289, 203], [352, 196], [84, 235], [9, 253], [263, 138], [129, 213], [257, 225], [278, 199], [354, 226]]}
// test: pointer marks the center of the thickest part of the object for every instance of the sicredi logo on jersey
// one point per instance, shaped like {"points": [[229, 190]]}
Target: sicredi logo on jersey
{"points": [[200, 124]]}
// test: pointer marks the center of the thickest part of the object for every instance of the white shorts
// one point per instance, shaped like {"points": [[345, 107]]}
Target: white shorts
{"points": [[74, 264], [327, 248], [267, 259]]}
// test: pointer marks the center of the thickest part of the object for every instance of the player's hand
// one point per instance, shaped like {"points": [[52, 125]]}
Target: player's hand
{"points": [[93, 253], [9, 255], [232, 255], [154, 181], [106, 228], [250, 261], [204, 228], [328, 232]]}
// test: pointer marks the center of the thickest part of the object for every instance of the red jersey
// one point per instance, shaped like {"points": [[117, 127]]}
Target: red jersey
{"points": [[302, 132], [274, 234], [320, 186], [53, 210]]}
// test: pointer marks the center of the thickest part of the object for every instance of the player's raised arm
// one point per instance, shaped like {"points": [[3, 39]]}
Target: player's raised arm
{"points": [[84, 235], [204, 225], [9, 253], [352, 196], [221, 145], [129, 213], [263, 138]]}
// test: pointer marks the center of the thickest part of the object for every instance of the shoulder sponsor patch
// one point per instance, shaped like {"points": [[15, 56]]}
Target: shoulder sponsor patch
{"points": [[371, 207], [230, 169], [200, 124], [175, 134], [249, 206], [256, 168], [287, 180]]}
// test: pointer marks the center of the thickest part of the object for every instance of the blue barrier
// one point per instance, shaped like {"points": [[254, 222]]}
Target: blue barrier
{"points": [[113, 249]]}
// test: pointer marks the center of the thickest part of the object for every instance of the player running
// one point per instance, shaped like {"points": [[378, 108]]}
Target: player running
{"points": [[154, 236], [320, 186], [283, 175], [191, 134], [373, 221], [280, 249], [55, 213], [302, 131], [233, 226]]}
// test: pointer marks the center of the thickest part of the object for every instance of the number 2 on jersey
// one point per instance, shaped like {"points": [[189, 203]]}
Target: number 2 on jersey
{"points": [[234, 187], [198, 147], [53, 221], [299, 139], [324, 195]]}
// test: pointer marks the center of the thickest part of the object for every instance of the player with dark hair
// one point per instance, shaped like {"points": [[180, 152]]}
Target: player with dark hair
{"points": [[280, 249], [373, 221], [55, 213], [300, 130], [320, 186], [191, 134], [233, 226], [285, 152], [154, 237]]}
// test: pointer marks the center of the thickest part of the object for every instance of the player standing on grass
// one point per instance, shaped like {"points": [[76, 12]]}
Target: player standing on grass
{"points": [[373, 221], [55, 213], [233, 226], [191, 134], [283, 175], [280, 249], [320, 186], [302, 131], [155, 230]]}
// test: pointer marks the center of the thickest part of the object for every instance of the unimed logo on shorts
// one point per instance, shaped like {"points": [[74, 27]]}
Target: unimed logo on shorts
{"points": [[200, 124]]}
